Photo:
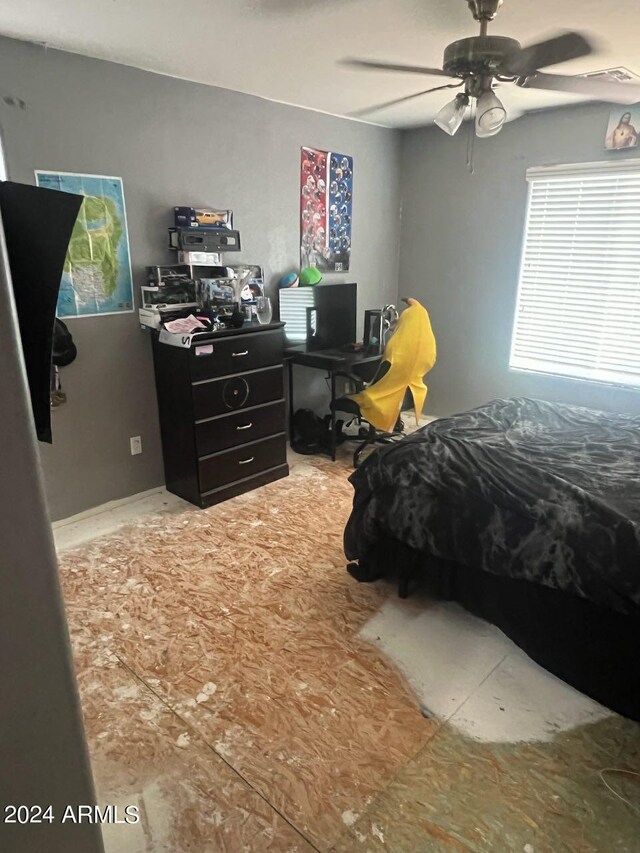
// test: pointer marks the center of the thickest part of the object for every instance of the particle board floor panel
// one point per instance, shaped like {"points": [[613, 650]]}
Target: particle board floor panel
{"points": [[459, 794], [189, 799], [230, 686]]}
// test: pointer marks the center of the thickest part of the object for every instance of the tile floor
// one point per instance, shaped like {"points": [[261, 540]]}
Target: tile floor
{"points": [[248, 695]]}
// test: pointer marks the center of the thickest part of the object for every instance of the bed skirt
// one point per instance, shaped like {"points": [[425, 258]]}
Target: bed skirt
{"points": [[592, 648]]}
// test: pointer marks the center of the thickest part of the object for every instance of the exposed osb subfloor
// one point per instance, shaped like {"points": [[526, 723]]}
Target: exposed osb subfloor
{"points": [[227, 692]]}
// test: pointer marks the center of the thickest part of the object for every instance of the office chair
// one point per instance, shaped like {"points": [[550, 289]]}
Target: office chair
{"points": [[409, 354]]}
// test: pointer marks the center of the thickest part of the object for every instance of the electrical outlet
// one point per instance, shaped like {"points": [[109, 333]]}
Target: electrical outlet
{"points": [[136, 445]]}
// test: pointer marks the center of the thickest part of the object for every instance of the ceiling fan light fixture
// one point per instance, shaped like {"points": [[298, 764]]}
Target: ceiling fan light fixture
{"points": [[477, 61], [490, 114], [451, 115]]}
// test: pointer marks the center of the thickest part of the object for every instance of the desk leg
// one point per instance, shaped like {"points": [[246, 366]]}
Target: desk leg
{"points": [[333, 416], [290, 373]]}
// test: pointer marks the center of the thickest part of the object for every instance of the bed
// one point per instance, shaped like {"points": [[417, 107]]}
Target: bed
{"points": [[527, 512]]}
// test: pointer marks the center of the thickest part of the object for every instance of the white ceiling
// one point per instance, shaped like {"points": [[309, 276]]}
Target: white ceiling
{"points": [[287, 50]]}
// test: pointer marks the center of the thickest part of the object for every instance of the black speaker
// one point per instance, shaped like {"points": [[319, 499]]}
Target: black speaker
{"points": [[373, 330]]}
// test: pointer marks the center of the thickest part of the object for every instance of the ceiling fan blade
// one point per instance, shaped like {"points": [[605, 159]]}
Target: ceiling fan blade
{"points": [[371, 65], [395, 101], [602, 90], [561, 48]]}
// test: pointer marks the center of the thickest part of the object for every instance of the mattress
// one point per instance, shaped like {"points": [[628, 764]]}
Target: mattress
{"points": [[520, 488]]}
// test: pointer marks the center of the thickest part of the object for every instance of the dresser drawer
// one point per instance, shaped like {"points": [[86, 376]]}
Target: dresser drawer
{"points": [[245, 461], [237, 353], [223, 396], [230, 430]]}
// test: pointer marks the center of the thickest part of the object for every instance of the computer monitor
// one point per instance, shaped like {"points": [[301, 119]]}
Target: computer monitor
{"points": [[322, 316]]}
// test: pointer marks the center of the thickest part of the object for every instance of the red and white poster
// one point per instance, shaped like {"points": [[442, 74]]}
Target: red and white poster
{"points": [[326, 204]]}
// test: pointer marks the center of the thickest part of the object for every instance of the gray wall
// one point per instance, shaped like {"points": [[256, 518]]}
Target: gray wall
{"points": [[172, 142], [44, 756], [461, 245]]}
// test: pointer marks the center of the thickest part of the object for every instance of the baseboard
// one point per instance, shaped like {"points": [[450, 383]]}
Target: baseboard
{"points": [[97, 510]]}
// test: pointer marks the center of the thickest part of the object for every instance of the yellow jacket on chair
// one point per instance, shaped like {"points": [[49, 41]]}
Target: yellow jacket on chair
{"points": [[411, 353]]}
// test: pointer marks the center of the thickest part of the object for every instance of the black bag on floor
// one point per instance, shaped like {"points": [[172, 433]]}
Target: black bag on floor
{"points": [[311, 433]]}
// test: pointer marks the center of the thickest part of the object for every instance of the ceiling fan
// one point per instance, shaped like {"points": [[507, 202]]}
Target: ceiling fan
{"points": [[482, 61]]}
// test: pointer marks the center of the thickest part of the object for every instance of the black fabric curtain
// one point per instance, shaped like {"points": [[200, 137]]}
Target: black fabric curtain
{"points": [[37, 226]]}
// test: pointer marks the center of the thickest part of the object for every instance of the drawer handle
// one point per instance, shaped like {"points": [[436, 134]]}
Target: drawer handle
{"points": [[246, 426], [246, 461], [238, 354]]}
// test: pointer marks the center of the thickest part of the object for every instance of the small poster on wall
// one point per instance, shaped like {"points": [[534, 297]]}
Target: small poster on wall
{"points": [[624, 124], [96, 279], [326, 205]]}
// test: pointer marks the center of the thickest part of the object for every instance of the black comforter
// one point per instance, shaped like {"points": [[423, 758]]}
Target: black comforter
{"points": [[521, 488]]}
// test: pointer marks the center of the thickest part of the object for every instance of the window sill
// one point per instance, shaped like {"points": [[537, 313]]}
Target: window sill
{"points": [[627, 386]]}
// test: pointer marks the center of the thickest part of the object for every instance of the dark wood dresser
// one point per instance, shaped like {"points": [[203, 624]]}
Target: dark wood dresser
{"points": [[222, 413]]}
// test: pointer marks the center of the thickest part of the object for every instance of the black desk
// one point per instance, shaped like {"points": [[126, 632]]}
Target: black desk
{"points": [[332, 361]]}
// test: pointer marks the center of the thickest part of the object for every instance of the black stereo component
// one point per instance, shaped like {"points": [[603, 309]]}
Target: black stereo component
{"points": [[212, 240]]}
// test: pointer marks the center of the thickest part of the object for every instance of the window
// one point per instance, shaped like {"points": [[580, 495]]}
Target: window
{"points": [[578, 310]]}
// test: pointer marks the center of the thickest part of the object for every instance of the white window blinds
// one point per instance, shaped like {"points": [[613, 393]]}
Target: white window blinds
{"points": [[578, 310]]}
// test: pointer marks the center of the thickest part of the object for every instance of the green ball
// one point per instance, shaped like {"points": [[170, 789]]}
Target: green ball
{"points": [[309, 276]]}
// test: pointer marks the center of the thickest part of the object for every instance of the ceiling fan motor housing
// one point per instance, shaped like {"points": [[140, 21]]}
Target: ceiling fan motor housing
{"points": [[478, 55], [484, 10]]}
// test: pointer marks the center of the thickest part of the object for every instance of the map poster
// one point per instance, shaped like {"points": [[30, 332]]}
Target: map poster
{"points": [[96, 279], [326, 204]]}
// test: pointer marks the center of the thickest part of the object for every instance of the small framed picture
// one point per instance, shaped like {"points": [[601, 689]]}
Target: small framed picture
{"points": [[623, 129]]}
